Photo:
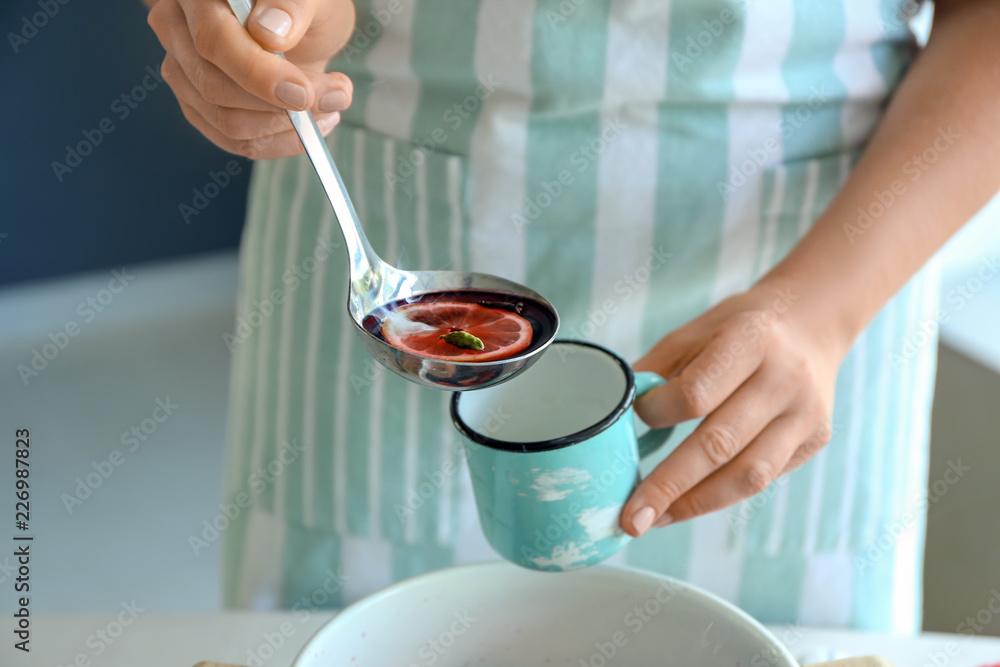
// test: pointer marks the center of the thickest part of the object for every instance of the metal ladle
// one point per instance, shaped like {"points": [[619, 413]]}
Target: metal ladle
{"points": [[375, 284]]}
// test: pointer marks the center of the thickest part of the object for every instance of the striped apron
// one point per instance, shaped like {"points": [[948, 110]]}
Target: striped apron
{"points": [[636, 161]]}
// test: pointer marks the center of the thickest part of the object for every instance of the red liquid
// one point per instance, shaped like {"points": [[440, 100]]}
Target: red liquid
{"points": [[540, 317]]}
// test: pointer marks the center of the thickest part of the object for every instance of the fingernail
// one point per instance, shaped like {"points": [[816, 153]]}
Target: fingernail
{"points": [[335, 100], [291, 94], [643, 519], [664, 520], [276, 20], [328, 121]]}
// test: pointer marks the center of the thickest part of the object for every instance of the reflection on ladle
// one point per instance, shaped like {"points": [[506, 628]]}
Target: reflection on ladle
{"points": [[375, 284]]}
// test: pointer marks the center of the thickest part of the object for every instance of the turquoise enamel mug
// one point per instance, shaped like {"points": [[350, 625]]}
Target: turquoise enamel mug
{"points": [[553, 455]]}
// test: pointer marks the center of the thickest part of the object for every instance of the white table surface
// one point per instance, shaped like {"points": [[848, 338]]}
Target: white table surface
{"points": [[181, 640]]}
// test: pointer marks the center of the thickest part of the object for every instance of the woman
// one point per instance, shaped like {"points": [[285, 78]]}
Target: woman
{"points": [[684, 181]]}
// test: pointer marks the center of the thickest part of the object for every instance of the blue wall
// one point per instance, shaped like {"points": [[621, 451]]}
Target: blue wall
{"points": [[120, 203]]}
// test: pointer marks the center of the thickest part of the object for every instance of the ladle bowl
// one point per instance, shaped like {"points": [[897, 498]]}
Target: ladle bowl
{"points": [[374, 284]]}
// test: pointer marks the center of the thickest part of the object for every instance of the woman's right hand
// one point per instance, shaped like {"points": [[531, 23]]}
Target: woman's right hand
{"points": [[232, 86]]}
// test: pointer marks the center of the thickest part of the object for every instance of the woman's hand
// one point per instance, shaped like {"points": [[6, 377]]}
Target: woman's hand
{"points": [[762, 373], [230, 84]]}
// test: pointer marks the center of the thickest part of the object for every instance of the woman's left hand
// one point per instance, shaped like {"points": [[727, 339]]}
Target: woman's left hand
{"points": [[760, 368]]}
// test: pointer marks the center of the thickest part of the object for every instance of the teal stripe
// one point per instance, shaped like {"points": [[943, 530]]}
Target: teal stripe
{"points": [[233, 548], [770, 587], [294, 335], [351, 61], [267, 337], [894, 54], [693, 150], [448, 107], [397, 390], [817, 34], [570, 58], [308, 568], [872, 608], [413, 559]]}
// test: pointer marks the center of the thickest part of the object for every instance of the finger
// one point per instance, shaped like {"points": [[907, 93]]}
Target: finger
{"points": [[749, 473], [278, 25], [231, 122], [278, 145], [810, 447], [716, 441], [704, 383], [220, 39], [170, 25]]}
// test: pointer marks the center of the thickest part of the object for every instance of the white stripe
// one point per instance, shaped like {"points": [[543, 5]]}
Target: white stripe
{"points": [[714, 564], [448, 445], [411, 440], [377, 415], [809, 197], [814, 504], [880, 429], [635, 70], [779, 515], [393, 101], [906, 575], [856, 417], [317, 315], [341, 399], [368, 564], [240, 412], [498, 151], [411, 448], [767, 36], [828, 586], [259, 587], [262, 382], [769, 243], [285, 330], [454, 166], [855, 66]]}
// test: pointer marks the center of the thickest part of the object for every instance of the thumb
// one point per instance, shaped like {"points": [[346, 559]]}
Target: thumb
{"points": [[278, 25]]}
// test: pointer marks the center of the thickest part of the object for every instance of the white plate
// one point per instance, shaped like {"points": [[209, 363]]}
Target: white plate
{"points": [[499, 615]]}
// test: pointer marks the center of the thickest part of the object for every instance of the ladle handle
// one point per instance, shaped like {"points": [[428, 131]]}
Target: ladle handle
{"points": [[362, 257]]}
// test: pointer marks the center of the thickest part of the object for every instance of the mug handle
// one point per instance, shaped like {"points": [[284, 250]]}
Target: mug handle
{"points": [[654, 439]]}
